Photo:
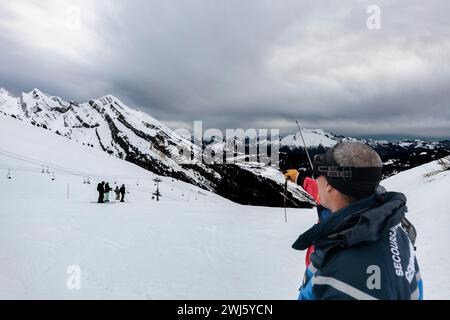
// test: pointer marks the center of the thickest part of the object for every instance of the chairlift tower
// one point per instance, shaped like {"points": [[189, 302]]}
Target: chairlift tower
{"points": [[157, 194]]}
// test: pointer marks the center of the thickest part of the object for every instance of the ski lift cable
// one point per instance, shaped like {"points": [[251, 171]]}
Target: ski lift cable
{"points": [[67, 171]]}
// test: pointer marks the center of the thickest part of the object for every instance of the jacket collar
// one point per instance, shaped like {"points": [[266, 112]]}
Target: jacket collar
{"points": [[360, 221]]}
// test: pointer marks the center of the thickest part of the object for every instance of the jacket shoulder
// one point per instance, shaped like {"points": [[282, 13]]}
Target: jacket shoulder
{"points": [[382, 269]]}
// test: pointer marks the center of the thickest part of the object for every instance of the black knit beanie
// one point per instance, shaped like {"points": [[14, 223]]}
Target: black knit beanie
{"points": [[355, 182]]}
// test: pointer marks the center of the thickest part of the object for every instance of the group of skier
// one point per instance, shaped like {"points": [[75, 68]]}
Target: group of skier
{"points": [[104, 189]]}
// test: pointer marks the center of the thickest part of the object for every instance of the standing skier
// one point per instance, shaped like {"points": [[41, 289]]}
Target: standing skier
{"points": [[107, 190], [365, 248], [122, 193], [101, 191], [117, 192]]}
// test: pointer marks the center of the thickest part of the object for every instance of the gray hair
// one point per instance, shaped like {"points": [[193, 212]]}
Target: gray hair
{"points": [[355, 154]]}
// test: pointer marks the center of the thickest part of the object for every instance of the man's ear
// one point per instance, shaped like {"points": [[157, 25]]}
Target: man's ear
{"points": [[328, 187]]}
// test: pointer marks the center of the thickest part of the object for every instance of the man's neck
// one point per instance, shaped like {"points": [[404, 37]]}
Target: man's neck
{"points": [[338, 204]]}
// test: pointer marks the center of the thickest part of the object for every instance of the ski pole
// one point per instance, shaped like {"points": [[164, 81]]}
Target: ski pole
{"points": [[306, 149], [285, 196]]}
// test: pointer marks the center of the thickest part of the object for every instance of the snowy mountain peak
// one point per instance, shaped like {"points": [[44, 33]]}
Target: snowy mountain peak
{"points": [[106, 123], [312, 137], [37, 91]]}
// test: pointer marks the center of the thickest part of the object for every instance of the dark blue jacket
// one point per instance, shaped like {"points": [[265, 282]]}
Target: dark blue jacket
{"points": [[363, 251]]}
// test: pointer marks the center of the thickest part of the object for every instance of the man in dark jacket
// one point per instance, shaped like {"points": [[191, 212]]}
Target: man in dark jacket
{"points": [[101, 191], [365, 248], [107, 190], [122, 193]]}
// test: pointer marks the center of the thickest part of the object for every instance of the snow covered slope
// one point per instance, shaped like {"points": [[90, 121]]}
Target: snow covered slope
{"points": [[106, 124], [191, 244], [429, 210]]}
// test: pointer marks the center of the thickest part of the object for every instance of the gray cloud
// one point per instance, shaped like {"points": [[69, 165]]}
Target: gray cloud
{"points": [[240, 63]]}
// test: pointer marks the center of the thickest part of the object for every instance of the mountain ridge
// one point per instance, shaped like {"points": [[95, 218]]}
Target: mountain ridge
{"points": [[110, 125]]}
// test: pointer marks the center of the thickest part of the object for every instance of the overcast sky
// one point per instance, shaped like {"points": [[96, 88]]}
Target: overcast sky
{"points": [[239, 63]]}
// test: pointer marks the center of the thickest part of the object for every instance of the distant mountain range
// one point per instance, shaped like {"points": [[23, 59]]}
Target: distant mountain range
{"points": [[108, 124], [397, 156]]}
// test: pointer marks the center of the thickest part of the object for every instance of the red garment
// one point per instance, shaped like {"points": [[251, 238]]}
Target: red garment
{"points": [[310, 186], [308, 255]]}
